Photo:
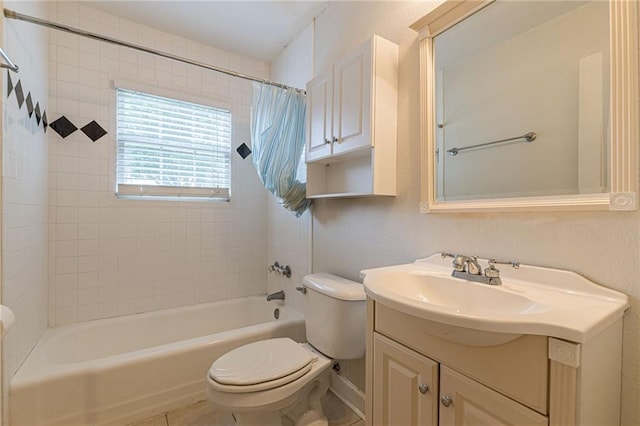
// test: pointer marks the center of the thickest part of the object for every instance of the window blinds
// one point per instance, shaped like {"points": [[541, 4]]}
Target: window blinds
{"points": [[168, 147]]}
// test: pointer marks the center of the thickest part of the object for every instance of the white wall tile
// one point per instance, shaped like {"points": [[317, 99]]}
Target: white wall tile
{"points": [[143, 255], [25, 192]]}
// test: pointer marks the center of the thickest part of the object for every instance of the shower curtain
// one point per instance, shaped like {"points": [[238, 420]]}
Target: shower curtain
{"points": [[277, 133]]}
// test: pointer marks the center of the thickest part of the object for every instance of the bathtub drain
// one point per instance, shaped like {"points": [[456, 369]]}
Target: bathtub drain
{"points": [[276, 313]]}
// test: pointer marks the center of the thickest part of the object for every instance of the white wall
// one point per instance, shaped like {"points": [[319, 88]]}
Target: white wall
{"points": [[24, 189], [351, 235], [288, 237], [112, 256]]}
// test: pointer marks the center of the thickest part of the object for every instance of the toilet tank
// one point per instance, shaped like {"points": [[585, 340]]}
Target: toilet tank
{"points": [[335, 315]]}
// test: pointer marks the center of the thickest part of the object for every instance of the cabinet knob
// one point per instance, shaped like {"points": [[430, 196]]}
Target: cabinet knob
{"points": [[446, 400], [326, 141], [423, 388], [334, 139]]}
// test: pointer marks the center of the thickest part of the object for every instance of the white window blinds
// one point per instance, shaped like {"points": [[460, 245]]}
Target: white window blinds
{"points": [[168, 147]]}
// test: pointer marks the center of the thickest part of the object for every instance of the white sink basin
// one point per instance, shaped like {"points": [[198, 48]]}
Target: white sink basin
{"points": [[531, 300], [461, 296]]}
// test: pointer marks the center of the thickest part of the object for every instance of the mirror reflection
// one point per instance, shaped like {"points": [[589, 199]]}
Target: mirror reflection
{"points": [[522, 101]]}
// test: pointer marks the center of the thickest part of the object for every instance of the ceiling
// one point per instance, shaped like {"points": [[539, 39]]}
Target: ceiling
{"points": [[257, 29]]}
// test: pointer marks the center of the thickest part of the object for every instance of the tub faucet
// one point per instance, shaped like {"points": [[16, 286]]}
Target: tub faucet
{"points": [[279, 295]]}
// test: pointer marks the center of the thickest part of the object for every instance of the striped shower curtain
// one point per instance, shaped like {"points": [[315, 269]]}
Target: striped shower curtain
{"points": [[277, 133]]}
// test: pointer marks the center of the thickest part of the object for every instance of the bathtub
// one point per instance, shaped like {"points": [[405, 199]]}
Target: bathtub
{"points": [[118, 370]]}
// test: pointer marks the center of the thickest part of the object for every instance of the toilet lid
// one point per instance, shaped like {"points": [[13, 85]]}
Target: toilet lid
{"points": [[260, 362]]}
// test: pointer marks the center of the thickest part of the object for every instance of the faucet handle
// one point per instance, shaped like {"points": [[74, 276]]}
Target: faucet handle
{"points": [[458, 260], [492, 272]]}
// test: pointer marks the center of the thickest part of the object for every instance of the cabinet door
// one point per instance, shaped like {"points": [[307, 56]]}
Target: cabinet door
{"points": [[319, 100], [352, 101], [405, 385], [466, 402]]}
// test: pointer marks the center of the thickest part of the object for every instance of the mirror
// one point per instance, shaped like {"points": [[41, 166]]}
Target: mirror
{"points": [[525, 106]]}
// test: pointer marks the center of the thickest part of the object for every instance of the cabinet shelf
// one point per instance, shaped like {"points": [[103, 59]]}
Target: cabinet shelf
{"points": [[352, 124]]}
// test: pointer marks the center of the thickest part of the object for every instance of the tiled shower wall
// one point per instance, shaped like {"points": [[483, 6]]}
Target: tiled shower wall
{"points": [[110, 256], [288, 237], [24, 186]]}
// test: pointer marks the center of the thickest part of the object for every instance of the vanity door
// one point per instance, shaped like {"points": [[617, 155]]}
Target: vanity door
{"points": [[466, 402], [405, 390]]}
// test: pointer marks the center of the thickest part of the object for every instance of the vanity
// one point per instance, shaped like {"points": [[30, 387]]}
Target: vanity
{"points": [[542, 348]]}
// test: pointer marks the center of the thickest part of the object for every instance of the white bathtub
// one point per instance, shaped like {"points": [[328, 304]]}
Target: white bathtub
{"points": [[118, 370]]}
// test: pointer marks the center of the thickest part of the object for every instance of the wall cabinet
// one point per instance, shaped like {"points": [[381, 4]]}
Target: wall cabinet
{"points": [[352, 124], [419, 375]]}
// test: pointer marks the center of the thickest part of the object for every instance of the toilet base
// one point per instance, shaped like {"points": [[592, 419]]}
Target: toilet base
{"points": [[304, 408]]}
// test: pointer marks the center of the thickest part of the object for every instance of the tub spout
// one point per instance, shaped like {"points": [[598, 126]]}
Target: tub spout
{"points": [[276, 296]]}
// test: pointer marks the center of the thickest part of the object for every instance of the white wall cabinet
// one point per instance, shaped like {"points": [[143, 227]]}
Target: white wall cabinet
{"points": [[319, 117], [352, 124], [419, 375]]}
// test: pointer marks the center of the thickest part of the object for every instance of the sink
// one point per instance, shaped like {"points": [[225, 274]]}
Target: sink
{"points": [[460, 296], [531, 300]]}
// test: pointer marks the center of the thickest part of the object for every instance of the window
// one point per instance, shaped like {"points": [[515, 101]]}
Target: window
{"points": [[171, 148]]}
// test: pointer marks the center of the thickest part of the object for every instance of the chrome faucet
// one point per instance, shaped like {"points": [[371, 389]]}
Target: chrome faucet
{"points": [[279, 295], [468, 268], [467, 264]]}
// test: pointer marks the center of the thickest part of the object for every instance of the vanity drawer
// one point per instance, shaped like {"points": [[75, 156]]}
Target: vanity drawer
{"points": [[518, 369]]}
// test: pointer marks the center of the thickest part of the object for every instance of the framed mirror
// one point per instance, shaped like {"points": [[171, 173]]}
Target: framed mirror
{"points": [[529, 105]]}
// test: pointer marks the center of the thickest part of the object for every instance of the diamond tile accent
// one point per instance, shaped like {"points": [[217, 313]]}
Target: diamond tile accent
{"points": [[9, 84], [45, 122], [63, 127], [244, 151], [94, 131], [19, 94], [38, 115], [29, 104]]}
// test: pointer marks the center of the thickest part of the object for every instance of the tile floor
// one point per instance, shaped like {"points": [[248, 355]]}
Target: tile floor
{"points": [[202, 414]]}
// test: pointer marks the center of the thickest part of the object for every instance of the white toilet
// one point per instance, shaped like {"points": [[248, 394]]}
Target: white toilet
{"points": [[262, 381]]}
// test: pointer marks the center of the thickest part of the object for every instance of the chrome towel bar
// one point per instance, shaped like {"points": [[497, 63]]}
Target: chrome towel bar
{"points": [[528, 137]]}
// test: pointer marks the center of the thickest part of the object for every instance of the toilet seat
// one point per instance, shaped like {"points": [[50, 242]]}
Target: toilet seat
{"points": [[261, 365]]}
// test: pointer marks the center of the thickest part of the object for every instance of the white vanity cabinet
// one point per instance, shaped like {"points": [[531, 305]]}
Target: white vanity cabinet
{"points": [[352, 124], [418, 374], [467, 402], [407, 391]]}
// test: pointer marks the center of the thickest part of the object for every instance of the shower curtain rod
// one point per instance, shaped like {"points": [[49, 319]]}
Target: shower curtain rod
{"points": [[19, 16]]}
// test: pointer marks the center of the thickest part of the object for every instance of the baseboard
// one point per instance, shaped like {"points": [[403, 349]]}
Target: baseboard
{"points": [[348, 393]]}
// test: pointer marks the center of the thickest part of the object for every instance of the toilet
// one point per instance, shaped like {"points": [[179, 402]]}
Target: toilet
{"points": [[263, 381]]}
